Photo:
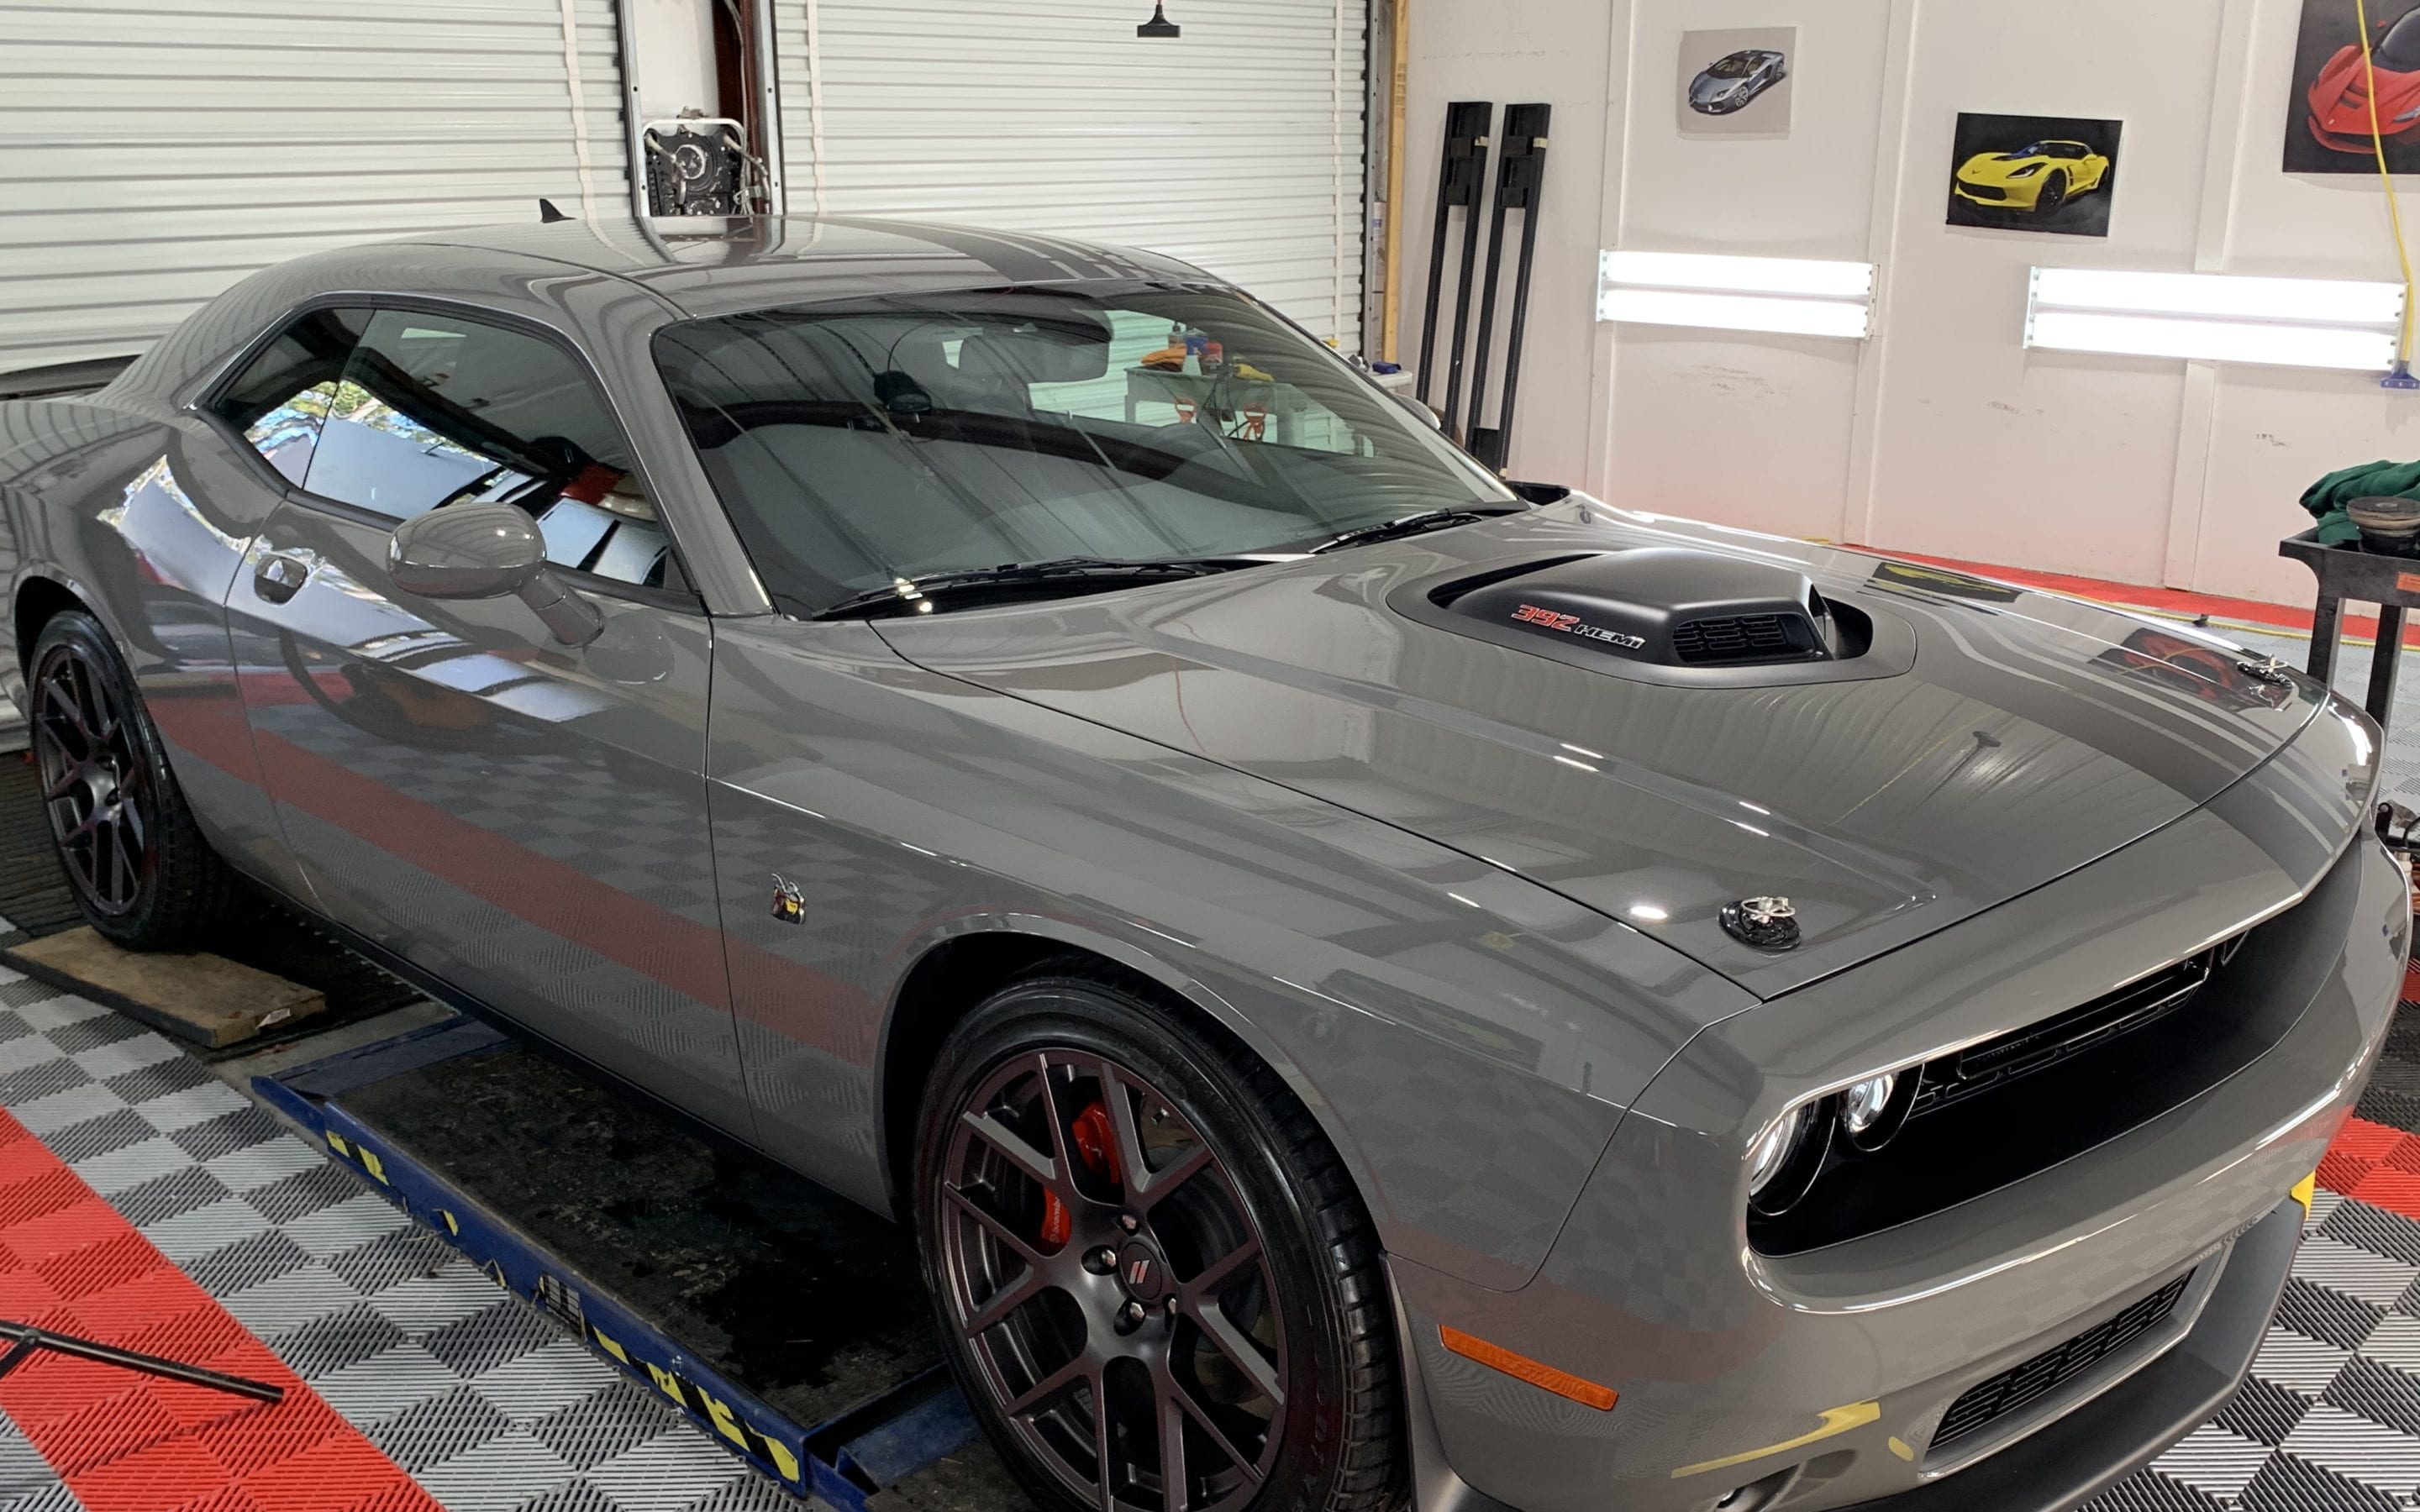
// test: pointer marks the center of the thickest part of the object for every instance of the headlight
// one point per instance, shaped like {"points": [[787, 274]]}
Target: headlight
{"points": [[2412, 115], [2027, 170], [1776, 1143], [1787, 1157], [1862, 1105], [1792, 1154]]}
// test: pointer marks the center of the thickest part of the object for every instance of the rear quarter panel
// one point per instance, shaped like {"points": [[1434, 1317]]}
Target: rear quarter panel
{"points": [[141, 514]]}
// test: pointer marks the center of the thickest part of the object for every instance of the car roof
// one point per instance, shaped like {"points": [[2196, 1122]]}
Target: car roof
{"points": [[714, 266]]}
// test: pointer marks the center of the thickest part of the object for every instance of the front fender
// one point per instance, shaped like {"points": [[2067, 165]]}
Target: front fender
{"points": [[1467, 1038]]}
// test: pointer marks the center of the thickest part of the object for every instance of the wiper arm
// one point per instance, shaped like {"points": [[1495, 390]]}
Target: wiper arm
{"points": [[1388, 530], [904, 595]]}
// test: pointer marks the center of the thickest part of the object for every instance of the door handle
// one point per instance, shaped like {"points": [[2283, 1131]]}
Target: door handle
{"points": [[279, 577]]}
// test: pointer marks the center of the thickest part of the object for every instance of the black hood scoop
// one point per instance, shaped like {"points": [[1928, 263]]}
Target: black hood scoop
{"points": [[1669, 615]]}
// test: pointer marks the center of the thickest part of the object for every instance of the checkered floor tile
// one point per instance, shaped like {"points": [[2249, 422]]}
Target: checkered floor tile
{"points": [[490, 1406], [484, 1400], [2330, 1421]]}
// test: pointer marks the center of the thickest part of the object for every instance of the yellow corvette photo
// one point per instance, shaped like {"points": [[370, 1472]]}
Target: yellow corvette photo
{"points": [[2039, 177]]}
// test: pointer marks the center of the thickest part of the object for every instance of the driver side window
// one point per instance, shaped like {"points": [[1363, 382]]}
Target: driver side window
{"points": [[433, 409]]}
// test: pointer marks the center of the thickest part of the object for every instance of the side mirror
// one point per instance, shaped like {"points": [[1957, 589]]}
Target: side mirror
{"points": [[1428, 417], [471, 551]]}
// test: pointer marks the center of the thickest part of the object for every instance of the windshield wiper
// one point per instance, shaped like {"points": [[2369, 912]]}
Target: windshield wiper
{"points": [[905, 596], [1431, 520]]}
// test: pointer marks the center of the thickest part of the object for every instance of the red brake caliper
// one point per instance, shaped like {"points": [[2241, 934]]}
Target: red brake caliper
{"points": [[1099, 1155]]}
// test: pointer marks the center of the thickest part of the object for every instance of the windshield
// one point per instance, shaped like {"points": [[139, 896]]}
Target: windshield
{"points": [[2400, 49], [2049, 149], [859, 443], [1737, 65]]}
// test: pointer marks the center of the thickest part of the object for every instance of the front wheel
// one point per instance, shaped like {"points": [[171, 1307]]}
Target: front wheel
{"points": [[1155, 1280], [2053, 194], [144, 876]]}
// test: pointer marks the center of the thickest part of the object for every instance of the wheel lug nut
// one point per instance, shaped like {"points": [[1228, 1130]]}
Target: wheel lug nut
{"points": [[1101, 1262], [1132, 1312], [1129, 1222]]}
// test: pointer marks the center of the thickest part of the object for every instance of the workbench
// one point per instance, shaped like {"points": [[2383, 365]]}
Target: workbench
{"points": [[2391, 583]]}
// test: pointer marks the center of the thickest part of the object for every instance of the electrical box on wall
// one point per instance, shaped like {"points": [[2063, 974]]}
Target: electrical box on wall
{"points": [[700, 165]]}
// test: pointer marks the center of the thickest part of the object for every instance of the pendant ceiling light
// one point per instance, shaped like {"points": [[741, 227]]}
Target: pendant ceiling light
{"points": [[1160, 26]]}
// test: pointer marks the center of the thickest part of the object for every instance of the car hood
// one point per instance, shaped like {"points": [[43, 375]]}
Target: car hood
{"points": [[2029, 735], [1709, 89], [1996, 167], [2340, 95]]}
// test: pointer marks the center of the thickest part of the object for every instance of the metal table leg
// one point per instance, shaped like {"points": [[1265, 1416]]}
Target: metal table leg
{"points": [[2385, 662], [2326, 623]]}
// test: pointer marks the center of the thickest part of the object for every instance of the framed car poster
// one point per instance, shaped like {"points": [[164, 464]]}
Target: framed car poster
{"points": [[2328, 114], [1737, 83], [2055, 175]]}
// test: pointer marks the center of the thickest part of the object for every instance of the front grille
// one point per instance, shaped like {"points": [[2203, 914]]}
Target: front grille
{"points": [[2030, 1049], [1734, 638], [1984, 191], [2015, 1389]]}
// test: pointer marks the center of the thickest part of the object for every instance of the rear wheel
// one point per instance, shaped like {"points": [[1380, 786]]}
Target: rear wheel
{"points": [[1154, 1279], [142, 872]]}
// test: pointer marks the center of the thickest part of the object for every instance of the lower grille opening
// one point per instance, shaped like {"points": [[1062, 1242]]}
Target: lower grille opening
{"points": [[2020, 1386]]}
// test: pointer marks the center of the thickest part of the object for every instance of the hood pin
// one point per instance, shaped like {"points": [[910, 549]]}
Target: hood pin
{"points": [[1766, 923]]}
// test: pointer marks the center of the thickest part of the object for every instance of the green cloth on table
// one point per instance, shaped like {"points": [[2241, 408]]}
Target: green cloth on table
{"points": [[2327, 498]]}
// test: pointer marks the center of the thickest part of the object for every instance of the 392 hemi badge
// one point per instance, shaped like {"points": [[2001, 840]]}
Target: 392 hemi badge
{"points": [[1547, 619]]}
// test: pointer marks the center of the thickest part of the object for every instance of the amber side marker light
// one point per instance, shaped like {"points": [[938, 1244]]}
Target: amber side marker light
{"points": [[1544, 1376]]}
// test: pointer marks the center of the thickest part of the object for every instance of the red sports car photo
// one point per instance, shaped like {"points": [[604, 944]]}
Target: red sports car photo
{"points": [[2339, 104]]}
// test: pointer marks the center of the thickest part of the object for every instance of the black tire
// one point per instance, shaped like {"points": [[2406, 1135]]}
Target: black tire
{"points": [[1329, 1439], [142, 873], [2053, 193]]}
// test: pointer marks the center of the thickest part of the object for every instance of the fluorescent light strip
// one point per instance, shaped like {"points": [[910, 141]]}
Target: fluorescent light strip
{"points": [[1738, 275], [1792, 296], [2217, 317], [2213, 341], [2312, 301], [1733, 312]]}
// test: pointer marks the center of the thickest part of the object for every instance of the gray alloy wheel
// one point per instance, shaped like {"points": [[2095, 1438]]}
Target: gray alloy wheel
{"points": [[143, 874], [93, 782], [2053, 193], [1126, 1272]]}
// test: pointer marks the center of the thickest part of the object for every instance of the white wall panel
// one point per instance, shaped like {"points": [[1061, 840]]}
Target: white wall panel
{"points": [[1943, 435], [153, 151], [1237, 147]]}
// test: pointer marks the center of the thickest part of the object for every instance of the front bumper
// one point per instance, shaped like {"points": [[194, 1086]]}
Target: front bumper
{"points": [[2010, 196], [2068, 1461], [1826, 1374]]}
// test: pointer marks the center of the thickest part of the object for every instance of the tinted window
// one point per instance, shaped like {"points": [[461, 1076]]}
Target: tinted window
{"points": [[280, 398], [856, 445], [433, 409], [2400, 49]]}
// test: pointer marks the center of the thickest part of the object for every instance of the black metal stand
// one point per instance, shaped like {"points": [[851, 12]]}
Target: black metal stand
{"points": [[2391, 583], [1520, 173], [27, 1339], [1461, 177]]}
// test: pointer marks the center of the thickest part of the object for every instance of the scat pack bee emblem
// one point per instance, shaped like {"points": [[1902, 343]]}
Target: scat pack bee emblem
{"points": [[788, 906]]}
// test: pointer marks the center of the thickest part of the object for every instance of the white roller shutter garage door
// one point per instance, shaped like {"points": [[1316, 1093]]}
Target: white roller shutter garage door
{"points": [[1238, 146], [157, 151]]}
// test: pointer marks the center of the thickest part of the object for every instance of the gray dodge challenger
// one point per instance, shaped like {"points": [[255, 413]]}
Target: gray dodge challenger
{"points": [[1369, 981]]}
